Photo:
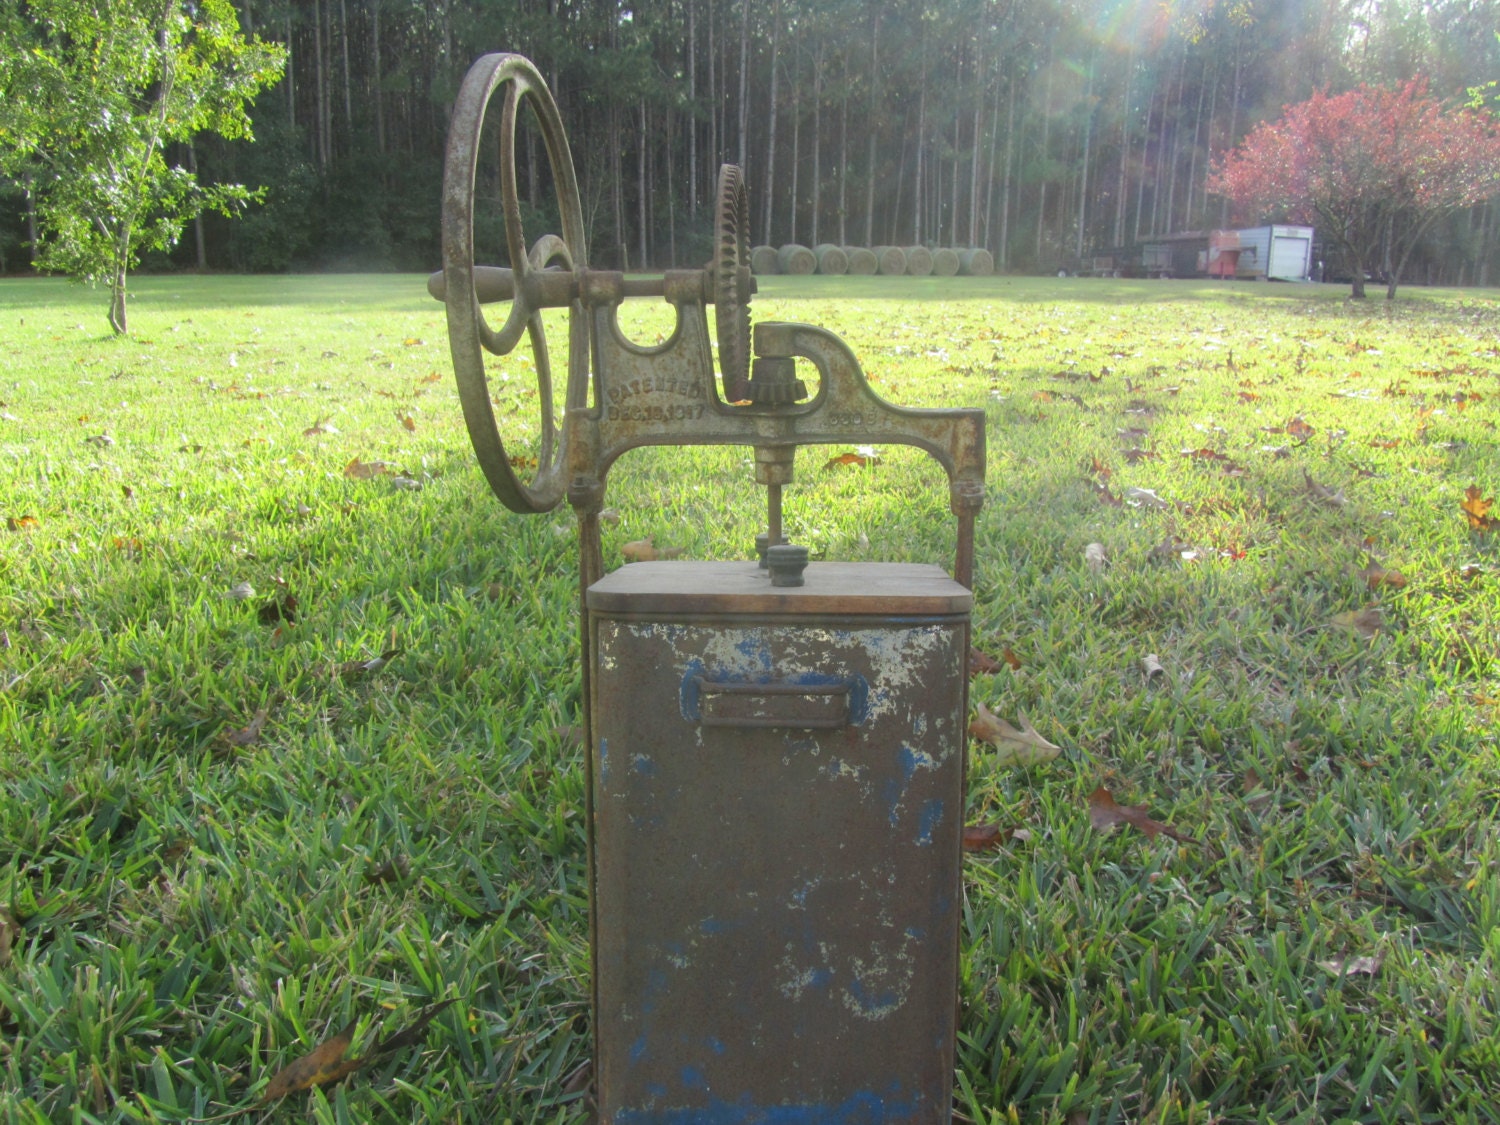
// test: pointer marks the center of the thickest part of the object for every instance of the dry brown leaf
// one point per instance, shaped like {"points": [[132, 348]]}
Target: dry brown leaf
{"points": [[391, 871], [246, 736], [434, 377], [412, 1032], [324, 1064], [1144, 497], [985, 837], [1013, 747], [1105, 812], [1299, 430], [1152, 665], [240, 591], [982, 663], [862, 459], [408, 421], [1365, 622], [1365, 966], [1477, 510], [1322, 493], [364, 470], [275, 612], [352, 668], [10, 930], [1093, 555], [642, 550], [1136, 456], [22, 523], [322, 426], [1376, 576]]}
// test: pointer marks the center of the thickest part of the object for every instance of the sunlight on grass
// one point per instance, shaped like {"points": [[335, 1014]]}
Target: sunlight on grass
{"points": [[287, 745]]}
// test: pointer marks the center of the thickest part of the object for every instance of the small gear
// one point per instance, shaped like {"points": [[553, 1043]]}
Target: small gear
{"points": [[731, 280]]}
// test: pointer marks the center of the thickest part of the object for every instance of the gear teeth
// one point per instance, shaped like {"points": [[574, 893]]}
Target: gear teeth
{"points": [[731, 296]]}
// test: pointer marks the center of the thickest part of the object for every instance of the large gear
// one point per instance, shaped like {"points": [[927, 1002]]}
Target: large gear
{"points": [[730, 269]]}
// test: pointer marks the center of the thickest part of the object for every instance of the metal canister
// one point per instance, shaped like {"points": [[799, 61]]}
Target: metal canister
{"points": [[775, 850]]}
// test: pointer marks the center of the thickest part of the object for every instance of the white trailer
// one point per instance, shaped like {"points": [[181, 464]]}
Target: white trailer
{"points": [[1276, 253]]}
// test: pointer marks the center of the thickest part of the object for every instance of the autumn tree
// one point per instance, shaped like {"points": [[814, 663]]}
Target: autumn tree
{"points": [[1370, 169], [92, 96]]}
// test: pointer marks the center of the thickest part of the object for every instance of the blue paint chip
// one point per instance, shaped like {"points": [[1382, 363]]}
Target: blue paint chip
{"points": [[638, 1050], [931, 816]]}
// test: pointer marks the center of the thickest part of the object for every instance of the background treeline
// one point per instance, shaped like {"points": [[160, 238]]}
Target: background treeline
{"points": [[1039, 129]]}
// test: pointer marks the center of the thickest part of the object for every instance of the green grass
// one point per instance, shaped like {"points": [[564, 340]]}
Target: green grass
{"points": [[197, 910]]}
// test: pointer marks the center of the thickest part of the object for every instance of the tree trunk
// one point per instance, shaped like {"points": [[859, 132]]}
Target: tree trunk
{"points": [[817, 144], [640, 179], [201, 257], [31, 232], [1083, 174], [796, 154], [843, 150], [870, 131], [1041, 206], [692, 121], [344, 47], [117, 316], [771, 124], [744, 82], [377, 93], [1010, 152]]}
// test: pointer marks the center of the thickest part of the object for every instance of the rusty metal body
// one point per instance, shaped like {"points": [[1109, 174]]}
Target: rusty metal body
{"points": [[778, 796], [775, 757]]}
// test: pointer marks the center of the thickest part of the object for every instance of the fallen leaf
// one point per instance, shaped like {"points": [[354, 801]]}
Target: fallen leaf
{"points": [[126, 543], [1299, 430], [863, 459], [413, 342], [1099, 469], [247, 736], [982, 663], [579, 1081], [610, 516], [1366, 966], [412, 1032], [364, 470], [408, 421], [985, 837], [351, 668], [325, 1064], [1322, 493], [276, 611], [1105, 494], [240, 591], [1477, 510], [1013, 747], [1105, 812], [1093, 555], [127, 492], [22, 523], [1365, 622], [642, 550], [1135, 456], [405, 483], [103, 441], [10, 930], [1138, 497], [432, 378], [391, 871], [1376, 576], [325, 426], [1152, 665]]}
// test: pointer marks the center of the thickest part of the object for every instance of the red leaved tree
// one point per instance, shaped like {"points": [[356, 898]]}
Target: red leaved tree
{"points": [[1370, 170]]}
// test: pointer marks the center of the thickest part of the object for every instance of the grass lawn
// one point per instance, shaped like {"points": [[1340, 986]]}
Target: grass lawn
{"points": [[287, 749]]}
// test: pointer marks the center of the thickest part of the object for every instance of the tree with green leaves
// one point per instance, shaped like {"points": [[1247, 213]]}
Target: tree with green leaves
{"points": [[96, 99]]}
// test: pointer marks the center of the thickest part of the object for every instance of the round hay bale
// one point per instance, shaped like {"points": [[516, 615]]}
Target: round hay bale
{"points": [[763, 260], [862, 260], [796, 259], [944, 262], [890, 260], [976, 263], [918, 261], [831, 259]]}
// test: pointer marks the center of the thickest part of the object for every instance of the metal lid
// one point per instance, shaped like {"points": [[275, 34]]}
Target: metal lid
{"points": [[836, 588]]}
